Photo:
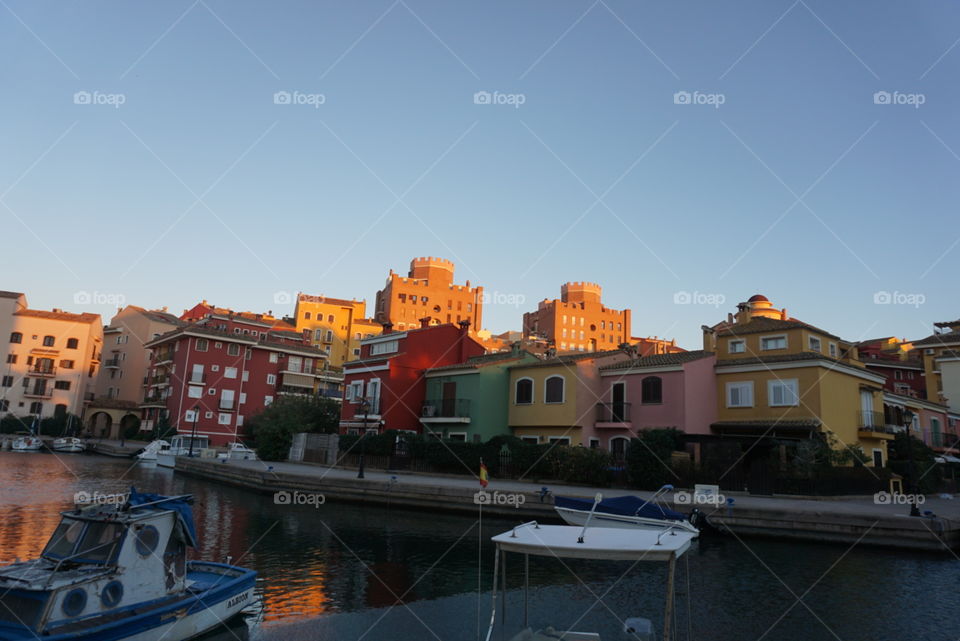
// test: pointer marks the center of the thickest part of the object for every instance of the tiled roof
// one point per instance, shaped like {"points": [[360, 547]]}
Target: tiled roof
{"points": [[763, 324], [893, 362], [661, 360], [939, 339], [475, 362], [308, 298], [160, 316], [6, 294], [568, 358], [196, 328], [62, 316]]}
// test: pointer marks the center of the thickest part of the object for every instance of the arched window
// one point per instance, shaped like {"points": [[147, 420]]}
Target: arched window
{"points": [[48, 341], [72, 343], [553, 389], [524, 392], [306, 315], [651, 390], [16, 337], [330, 318]]}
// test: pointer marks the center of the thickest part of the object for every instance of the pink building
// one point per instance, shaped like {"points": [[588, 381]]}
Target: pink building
{"points": [[661, 391]]}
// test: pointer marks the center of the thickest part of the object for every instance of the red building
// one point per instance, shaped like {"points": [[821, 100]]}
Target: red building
{"points": [[385, 389], [891, 358], [227, 368]]}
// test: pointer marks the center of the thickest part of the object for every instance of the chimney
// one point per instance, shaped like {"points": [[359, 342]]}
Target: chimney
{"points": [[464, 334], [783, 314], [387, 327], [425, 321]]}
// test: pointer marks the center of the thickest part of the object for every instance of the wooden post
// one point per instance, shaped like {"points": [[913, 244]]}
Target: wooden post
{"points": [[668, 611]]}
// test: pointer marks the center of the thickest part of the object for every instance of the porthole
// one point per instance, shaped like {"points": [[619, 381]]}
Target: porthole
{"points": [[147, 539], [111, 594], [74, 602]]}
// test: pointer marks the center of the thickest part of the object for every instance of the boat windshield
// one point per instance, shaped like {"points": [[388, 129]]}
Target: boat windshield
{"points": [[90, 542]]}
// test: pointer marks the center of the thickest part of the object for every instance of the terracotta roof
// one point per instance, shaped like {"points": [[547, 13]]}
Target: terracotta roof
{"points": [[892, 362], [475, 362], [762, 324], [6, 294], [661, 360], [756, 298], [159, 316], [62, 316], [569, 358], [307, 298], [196, 328], [368, 321], [939, 339]]}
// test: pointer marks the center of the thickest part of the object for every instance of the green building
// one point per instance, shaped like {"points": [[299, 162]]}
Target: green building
{"points": [[468, 401]]}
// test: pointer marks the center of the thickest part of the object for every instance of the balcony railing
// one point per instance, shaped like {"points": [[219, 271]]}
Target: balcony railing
{"points": [[446, 408], [330, 393], [613, 412], [198, 379], [227, 406], [112, 362], [161, 379], [163, 357], [153, 398], [295, 389], [42, 370], [872, 421], [38, 393]]}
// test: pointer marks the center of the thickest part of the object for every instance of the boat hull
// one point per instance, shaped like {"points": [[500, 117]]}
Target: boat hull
{"points": [[604, 519], [166, 460]]}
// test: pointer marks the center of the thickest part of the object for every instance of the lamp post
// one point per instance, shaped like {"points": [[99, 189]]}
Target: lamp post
{"points": [[908, 421], [365, 408], [193, 434]]}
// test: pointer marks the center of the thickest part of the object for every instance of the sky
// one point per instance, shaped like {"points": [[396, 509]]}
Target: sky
{"points": [[683, 155]]}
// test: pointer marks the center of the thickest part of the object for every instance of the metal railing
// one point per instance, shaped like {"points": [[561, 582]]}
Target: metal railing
{"points": [[873, 421], [112, 362], [38, 393], [613, 412], [446, 408], [42, 370]]}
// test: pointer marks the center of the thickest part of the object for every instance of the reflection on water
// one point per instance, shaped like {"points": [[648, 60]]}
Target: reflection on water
{"points": [[344, 572]]}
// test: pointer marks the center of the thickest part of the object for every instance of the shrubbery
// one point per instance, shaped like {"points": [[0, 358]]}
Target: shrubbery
{"points": [[272, 429]]}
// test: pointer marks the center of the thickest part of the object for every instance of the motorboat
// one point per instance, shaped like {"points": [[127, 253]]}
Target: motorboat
{"points": [[238, 452], [181, 446], [27, 443], [149, 453], [631, 512], [119, 571], [562, 542], [69, 444]]}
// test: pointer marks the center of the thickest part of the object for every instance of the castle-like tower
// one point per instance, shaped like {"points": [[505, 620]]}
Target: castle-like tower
{"points": [[428, 291], [578, 321]]}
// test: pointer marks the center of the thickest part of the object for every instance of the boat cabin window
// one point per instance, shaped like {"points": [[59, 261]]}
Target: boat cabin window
{"points": [[21, 608], [64, 538], [90, 542]]}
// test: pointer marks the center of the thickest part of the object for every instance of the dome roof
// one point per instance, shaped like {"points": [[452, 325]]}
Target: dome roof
{"points": [[758, 298]]}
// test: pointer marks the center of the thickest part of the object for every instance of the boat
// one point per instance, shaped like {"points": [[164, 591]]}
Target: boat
{"points": [[149, 453], [69, 444], [631, 512], [26, 443], [180, 446], [591, 543], [237, 452], [119, 572]]}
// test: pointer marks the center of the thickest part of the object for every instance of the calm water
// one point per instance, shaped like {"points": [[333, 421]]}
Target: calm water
{"points": [[333, 572]]}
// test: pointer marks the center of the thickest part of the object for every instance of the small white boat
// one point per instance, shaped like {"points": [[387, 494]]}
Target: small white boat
{"points": [[69, 444], [630, 512], [149, 453], [26, 444], [237, 452], [120, 572], [181, 446]]}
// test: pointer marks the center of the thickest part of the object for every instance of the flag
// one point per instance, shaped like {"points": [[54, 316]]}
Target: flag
{"points": [[483, 474]]}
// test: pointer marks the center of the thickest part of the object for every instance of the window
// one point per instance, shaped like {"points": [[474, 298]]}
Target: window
{"points": [[196, 376], [271, 379], [738, 346], [61, 385], [48, 341], [330, 318], [559, 440], [833, 350], [773, 342], [214, 368], [651, 390], [594, 444], [524, 391], [212, 391], [224, 418], [233, 349], [202, 344], [243, 398], [553, 390], [530, 439], [356, 351], [7, 381], [4, 405], [226, 399], [267, 401], [194, 392], [740, 394], [294, 364], [355, 392], [814, 342], [897, 374], [36, 407], [330, 336], [387, 347], [16, 337], [306, 315], [274, 357], [878, 458], [229, 372], [246, 375], [208, 414], [72, 343], [910, 375], [12, 359], [782, 393]]}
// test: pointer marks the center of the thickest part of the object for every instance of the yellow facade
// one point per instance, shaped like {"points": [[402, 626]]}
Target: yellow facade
{"points": [[335, 325]]}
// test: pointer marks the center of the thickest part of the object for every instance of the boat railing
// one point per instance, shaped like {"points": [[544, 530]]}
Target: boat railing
{"points": [[75, 555]]}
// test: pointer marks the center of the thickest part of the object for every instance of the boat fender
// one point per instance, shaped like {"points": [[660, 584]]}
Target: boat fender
{"points": [[111, 594], [74, 603]]}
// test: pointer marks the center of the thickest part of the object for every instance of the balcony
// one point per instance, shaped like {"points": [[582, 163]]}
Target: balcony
{"points": [[153, 400], [161, 379], [874, 425], [613, 415], [38, 392], [112, 363], [163, 357], [42, 370], [446, 410], [197, 379]]}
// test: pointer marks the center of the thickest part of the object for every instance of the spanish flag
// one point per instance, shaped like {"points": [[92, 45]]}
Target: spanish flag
{"points": [[483, 474]]}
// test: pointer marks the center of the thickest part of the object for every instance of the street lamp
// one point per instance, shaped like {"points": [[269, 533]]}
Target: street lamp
{"points": [[908, 423], [193, 434], [365, 408]]}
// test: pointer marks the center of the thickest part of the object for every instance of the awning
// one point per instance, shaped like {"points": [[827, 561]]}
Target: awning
{"points": [[946, 458]]}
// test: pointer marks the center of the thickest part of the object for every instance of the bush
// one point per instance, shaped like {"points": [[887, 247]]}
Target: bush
{"points": [[648, 458], [582, 465], [924, 474], [272, 429]]}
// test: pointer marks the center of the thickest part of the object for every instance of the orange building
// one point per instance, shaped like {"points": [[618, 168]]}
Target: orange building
{"points": [[428, 290], [578, 321], [335, 325], [203, 309]]}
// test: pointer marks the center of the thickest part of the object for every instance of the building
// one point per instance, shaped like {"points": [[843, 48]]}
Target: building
{"points": [[940, 354], [779, 378], [335, 325], [893, 359], [50, 359], [212, 374], [555, 400], [469, 401], [578, 320], [203, 309], [676, 390], [428, 290], [386, 387], [929, 422]]}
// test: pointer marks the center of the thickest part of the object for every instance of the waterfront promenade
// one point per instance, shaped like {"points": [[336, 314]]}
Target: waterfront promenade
{"points": [[843, 520]]}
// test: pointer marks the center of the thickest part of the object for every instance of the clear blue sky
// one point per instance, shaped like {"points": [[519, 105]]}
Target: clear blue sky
{"points": [[399, 161]]}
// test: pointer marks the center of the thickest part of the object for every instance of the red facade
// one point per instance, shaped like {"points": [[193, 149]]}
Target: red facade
{"points": [[385, 389], [228, 369], [903, 376]]}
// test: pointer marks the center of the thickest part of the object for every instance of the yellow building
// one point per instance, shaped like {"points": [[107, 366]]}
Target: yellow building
{"points": [[336, 325], [780, 378], [941, 363]]}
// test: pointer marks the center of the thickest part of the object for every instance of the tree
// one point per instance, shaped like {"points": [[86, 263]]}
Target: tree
{"points": [[273, 428], [648, 458]]}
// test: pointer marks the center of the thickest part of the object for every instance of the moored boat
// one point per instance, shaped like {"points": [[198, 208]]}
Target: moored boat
{"points": [[631, 512], [69, 444], [181, 446], [26, 443], [149, 453], [238, 452], [119, 572]]}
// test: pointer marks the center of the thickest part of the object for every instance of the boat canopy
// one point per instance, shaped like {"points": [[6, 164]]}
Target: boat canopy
{"points": [[622, 505], [179, 504], [564, 541]]}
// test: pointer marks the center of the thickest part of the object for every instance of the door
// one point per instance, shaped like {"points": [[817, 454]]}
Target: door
{"points": [[448, 405], [196, 376], [866, 408], [618, 449], [618, 406]]}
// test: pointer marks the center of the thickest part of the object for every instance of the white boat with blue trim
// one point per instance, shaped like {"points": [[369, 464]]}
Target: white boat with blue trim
{"points": [[120, 572]]}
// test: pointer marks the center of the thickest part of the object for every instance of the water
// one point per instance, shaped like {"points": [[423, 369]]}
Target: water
{"points": [[335, 572]]}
